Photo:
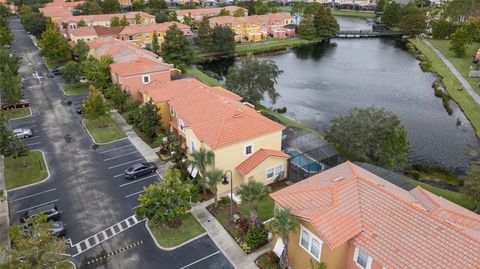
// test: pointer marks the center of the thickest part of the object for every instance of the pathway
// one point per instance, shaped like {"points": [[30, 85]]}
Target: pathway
{"points": [[223, 240], [455, 72], [4, 217]]}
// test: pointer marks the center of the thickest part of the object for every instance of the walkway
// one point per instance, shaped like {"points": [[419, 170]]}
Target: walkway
{"points": [[147, 152], [4, 217], [223, 240], [455, 72]]}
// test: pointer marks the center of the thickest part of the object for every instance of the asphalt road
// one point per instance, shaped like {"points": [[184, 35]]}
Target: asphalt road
{"points": [[85, 181]]}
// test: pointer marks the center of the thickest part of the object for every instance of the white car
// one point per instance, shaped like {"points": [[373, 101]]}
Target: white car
{"points": [[22, 132]]}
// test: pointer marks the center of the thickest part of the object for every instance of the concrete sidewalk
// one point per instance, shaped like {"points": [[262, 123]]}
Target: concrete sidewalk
{"points": [[147, 152], [454, 71], [4, 216], [223, 240]]}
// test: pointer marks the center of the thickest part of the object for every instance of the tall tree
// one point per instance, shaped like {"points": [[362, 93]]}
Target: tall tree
{"points": [[371, 135], [157, 4], [94, 105], [155, 44], [252, 79], [81, 50], [110, 6], [138, 19], [459, 41], [34, 246], [223, 39], [10, 87], [4, 11], [282, 224], [81, 23], [325, 23], [188, 20], [71, 72], [34, 23], [201, 159], [5, 36], [471, 186], [224, 12], [413, 24], [176, 48], [380, 6], [124, 21], [212, 179], [137, 5], [252, 192], [239, 12], [150, 121], [172, 16], [115, 21], [392, 15], [204, 36], [442, 29], [54, 46], [90, 7], [307, 29], [166, 200], [98, 71], [460, 10]]}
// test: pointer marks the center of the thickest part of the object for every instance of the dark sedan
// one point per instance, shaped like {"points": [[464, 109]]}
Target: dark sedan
{"points": [[140, 169]]}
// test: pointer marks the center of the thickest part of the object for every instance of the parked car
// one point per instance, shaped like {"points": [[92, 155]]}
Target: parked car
{"points": [[22, 132], [57, 70], [50, 210], [80, 110], [58, 228], [140, 169], [19, 104]]}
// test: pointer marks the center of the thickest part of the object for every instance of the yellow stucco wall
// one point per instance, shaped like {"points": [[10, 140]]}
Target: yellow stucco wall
{"points": [[260, 172], [300, 259]]}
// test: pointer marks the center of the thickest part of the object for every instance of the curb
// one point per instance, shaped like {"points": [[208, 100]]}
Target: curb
{"points": [[19, 118], [36, 183], [100, 144], [67, 94], [177, 246]]}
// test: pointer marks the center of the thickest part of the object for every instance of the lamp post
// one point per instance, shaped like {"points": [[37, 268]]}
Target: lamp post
{"points": [[225, 182]]}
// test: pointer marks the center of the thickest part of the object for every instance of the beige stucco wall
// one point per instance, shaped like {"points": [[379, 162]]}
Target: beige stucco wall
{"points": [[260, 172], [300, 259], [351, 263], [86, 38]]}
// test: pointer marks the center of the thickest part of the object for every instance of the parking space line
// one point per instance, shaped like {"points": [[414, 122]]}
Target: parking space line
{"points": [[137, 180], [119, 156], [118, 165], [109, 150], [135, 193], [31, 195], [46, 203], [119, 175], [199, 260], [35, 136], [33, 144]]}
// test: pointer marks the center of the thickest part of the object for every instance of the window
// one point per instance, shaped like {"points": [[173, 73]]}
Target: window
{"points": [[172, 110], [310, 243], [193, 146], [147, 35], [274, 172], [270, 173], [248, 150], [130, 37], [180, 124], [146, 79], [362, 259], [73, 26]]}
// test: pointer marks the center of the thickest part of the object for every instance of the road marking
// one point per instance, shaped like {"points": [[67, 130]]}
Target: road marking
{"points": [[31, 195], [137, 180], [88, 245], [118, 165], [119, 175], [133, 194], [197, 261], [32, 144], [119, 156], [109, 150], [46, 203], [35, 136]]}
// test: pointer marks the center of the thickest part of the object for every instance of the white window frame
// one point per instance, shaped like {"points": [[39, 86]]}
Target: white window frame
{"points": [[172, 110], [275, 174], [355, 258], [143, 79], [245, 149], [193, 145], [181, 125], [311, 237]]}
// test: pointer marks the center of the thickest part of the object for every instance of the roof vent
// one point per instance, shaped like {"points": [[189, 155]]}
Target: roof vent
{"points": [[337, 179], [249, 105], [238, 113]]}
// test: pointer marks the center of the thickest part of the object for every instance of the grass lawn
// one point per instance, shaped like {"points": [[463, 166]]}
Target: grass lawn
{"points": [[353, 13], [461, 64], [203, 77], [104, 130], [17, 175], [170, 237], [452, 196], [264, 209], [76, 88], [463, 98], [16, 113]]}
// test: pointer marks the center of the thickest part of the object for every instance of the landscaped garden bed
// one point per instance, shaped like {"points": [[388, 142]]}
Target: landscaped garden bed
{"points": [[76, 88], [16, 113], [25, 170], [104, 130], [268, 260], [168, 237]]}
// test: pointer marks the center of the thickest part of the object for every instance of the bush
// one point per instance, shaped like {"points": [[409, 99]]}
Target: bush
{"points": [[243, 224], [256, 237], [133, 116], [224, 201], [71, 72]]}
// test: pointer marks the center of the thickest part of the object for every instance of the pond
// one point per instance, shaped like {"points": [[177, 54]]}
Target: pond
{"points": [[326, 80]]}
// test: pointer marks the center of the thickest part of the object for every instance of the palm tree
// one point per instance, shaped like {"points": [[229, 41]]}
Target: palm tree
{"points": [[282, 224], [252, 192], [201, 159], [212, 179]]}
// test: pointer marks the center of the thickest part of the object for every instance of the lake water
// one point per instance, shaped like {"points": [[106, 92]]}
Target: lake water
{"points": [[328, 79]]}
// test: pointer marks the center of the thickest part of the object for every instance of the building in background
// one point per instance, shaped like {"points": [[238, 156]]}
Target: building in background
{"points": [[200, 13]]}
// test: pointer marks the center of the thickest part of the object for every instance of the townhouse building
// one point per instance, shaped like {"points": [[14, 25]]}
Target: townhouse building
{"points": [[351, 218], [59, 8], [258, 27], [200, 13]]}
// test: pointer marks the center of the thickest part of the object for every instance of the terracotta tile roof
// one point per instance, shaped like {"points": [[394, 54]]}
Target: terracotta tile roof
{"points": [[139, 66], [260, 19], [154, 27], [121, 51], [102, 17], [96, 31], [398, 228], [61, 3], [54, 11], [206, 11], [257, 158], [216, 116]]}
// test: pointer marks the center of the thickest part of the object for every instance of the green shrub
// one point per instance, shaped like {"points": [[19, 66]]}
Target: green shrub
{"points": [[256, 237], [224, 201]]}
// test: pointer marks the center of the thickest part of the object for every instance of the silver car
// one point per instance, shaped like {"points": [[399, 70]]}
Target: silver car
{"points": [[22, 132]]}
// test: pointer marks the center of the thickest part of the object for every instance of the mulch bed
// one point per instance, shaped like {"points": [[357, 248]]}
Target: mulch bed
{"points": [[268, 260]]}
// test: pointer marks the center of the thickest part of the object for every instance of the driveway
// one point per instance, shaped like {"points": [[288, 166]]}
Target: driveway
{"points": [[85, 181]]}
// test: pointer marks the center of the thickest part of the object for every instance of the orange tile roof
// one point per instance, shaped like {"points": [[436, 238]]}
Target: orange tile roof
{"points": [[398, 228], [221, 20], [139, 66], [257, 158], [121, 51], [216, 116], [206, 11], [61, 3], [154, 27], [102, 17], [54, 11]]}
